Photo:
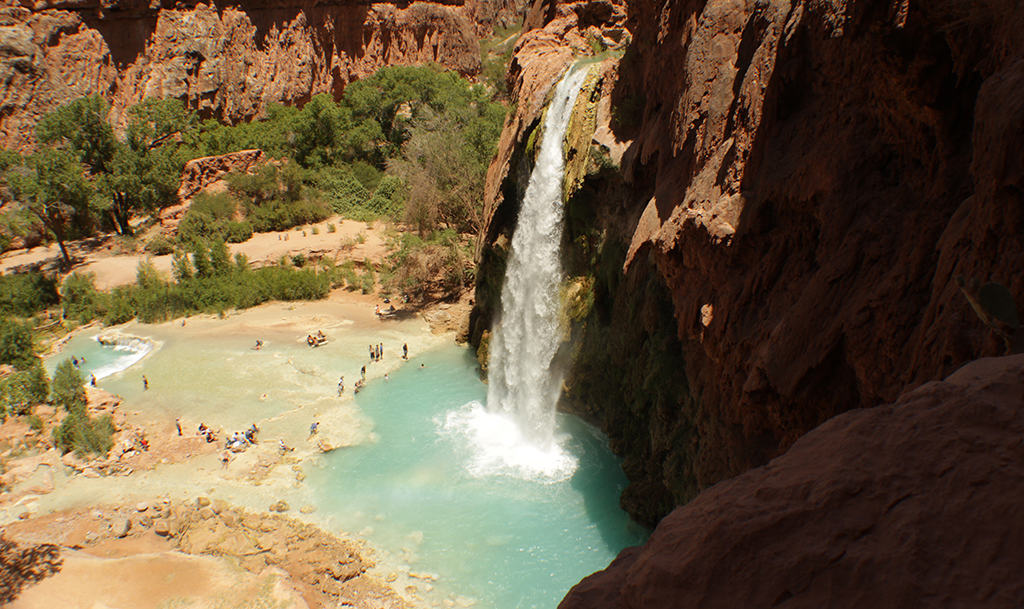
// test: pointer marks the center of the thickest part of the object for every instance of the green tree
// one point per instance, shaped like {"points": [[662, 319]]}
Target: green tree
{"points": [[81, 126], [50, 186], [320, 129], [137, 173], [181, 267]]}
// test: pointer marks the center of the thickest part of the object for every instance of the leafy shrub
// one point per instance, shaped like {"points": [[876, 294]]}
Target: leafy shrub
{"points": [[35, 423], [27, 293], [298, 260], [80, 299], [160, 246], [16, 343], [68, 387], [282, 214], [218, 206], [331, 228], [238, 232], [82, 434], [23, 389]]}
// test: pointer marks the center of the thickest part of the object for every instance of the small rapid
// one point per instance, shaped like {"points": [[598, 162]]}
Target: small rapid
{"points": [[522, 383]]}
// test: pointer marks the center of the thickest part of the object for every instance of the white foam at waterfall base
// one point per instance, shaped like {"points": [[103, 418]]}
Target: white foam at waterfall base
{"points": [[131, 349], [496, 446]]}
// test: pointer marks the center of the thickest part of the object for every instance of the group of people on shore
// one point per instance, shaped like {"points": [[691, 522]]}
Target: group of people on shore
{"points": [[315, 340]]}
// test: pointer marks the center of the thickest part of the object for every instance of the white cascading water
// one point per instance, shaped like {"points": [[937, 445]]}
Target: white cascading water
{"points": [[517, 430]]}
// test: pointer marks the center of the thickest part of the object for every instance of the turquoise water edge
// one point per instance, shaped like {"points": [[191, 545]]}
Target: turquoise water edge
{"points": [[431, 486]]}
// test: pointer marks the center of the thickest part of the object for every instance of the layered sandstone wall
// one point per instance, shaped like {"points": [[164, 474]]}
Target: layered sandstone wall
{"points": [[227, 60], [804, 180]]}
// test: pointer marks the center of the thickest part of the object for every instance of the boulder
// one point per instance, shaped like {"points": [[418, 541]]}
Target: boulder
{"points": [[279, 506], [162, 527], [121, 527]]}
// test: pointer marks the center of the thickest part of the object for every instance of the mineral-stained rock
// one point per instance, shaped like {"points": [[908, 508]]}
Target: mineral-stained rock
{"points": [[911, 504], [279, 506], [200, 173]]}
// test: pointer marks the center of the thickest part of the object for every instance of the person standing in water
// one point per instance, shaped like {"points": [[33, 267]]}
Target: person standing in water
{"points": [[405, 351], [362, 373]]}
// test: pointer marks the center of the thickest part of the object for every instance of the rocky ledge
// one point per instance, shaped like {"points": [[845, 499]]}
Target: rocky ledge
{"points": [[912, 504]]}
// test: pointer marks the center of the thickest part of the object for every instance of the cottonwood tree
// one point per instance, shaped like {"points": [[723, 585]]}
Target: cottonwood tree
{"points": [[51, 187], [135, 172]]}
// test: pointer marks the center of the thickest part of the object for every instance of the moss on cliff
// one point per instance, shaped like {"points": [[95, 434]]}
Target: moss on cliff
{"points": [[625, 364]]}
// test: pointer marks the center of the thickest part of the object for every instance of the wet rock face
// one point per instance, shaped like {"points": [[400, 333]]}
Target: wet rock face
{"points": [[910, 504], [809, 178], [226, 61]]}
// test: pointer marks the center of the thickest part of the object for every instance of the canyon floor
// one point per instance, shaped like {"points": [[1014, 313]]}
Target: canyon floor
{"points": [[128, 534]]}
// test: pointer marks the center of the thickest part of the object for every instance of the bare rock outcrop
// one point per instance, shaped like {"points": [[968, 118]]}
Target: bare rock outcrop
{"points": [[910, 504], [204, 171], [224, 60]]}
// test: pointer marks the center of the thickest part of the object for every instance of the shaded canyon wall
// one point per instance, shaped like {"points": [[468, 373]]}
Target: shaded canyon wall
{"points": [[227, 60], [776, 201]]}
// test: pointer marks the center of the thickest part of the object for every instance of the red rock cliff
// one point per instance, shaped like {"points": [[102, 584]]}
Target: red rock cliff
{"points": [[806, 179], [227, 60]]}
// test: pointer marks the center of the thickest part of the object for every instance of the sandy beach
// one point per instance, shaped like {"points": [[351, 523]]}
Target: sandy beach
{"points": [[144, 498], [351, 240]]}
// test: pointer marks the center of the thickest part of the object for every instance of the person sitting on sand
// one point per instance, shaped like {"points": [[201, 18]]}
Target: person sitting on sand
{"points": [[320, 334], [310, 340], [284, 447]]}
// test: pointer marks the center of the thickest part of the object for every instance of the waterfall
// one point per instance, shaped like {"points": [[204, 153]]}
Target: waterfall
{"points": [[522, 383]]}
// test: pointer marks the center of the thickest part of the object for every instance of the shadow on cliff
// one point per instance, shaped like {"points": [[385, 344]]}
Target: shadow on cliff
{"points": [[126, 35]]}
